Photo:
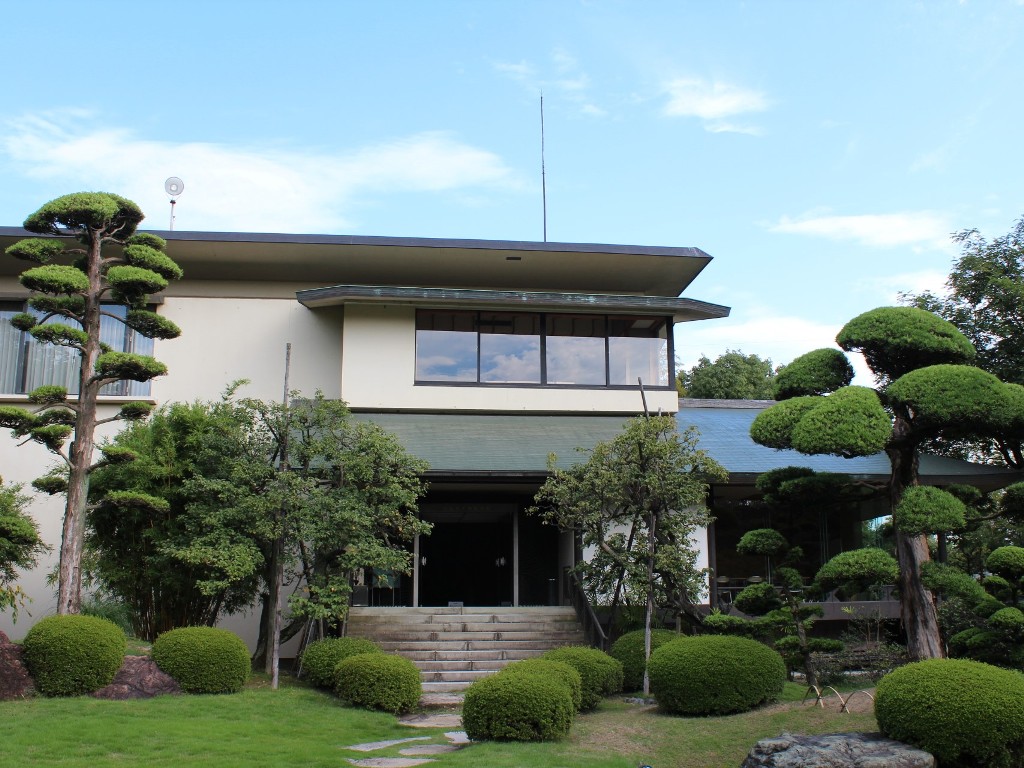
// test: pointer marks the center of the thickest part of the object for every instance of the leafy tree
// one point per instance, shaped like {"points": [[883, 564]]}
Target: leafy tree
{"points": [[732, 376], [73, 293], [926, 391], [20, 545], [984, 299], [637, 500]]}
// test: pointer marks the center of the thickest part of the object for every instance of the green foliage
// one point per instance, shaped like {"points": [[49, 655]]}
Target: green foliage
{"points": [[115, 366], [20, 545], [86, 210], [65, 306], [60, 334], [135, 410], [733, 376], [897, 340], [72, 655], [55, 278], [774, 426], [814, 373], [850, 422], [629, 650], [378, 681], [552, 670], [857, 569], [517, 707], [926, 509], [762, 541], [150, 258], [718, 623], [951, 582], [34, 249], [600, 673], [152, 325], [322, 656], [1008, 562], [135, 280], [48, 394], [24, 321], [203, 659], [1009, 620], [966, 713], [715, 675], [757, 599], [147, 239]]}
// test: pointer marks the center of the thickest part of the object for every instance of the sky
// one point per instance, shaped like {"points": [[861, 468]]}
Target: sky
{"points": [[822, 152]]}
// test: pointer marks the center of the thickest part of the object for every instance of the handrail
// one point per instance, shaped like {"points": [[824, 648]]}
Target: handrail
{"points": [[592, 628]]}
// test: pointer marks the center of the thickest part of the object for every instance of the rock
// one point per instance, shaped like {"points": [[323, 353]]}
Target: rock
{"points": [[138, 678], [836, 750], [15, 681]]}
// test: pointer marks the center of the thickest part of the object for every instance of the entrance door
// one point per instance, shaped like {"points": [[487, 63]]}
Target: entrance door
{"points": [[468, 557]]}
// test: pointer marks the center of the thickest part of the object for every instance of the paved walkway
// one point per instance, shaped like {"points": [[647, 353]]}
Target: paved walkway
{"points": [[419, 753]]}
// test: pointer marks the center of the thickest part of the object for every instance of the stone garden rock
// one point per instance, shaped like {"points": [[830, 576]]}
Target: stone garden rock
{"points": [[15, 682], [138, 678], [836, 750]]}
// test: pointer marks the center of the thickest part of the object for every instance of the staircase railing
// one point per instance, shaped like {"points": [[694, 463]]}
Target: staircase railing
{"points": [[592, 629]]}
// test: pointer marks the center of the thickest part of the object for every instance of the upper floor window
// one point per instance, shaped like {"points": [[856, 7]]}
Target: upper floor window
{"points": [[540, 348], [26, 363]]}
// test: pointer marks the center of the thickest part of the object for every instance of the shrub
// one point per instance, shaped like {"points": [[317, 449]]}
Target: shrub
{"points": [[322, 656], [715, 675], [629, 650], [966, 713], [378, 681], [600, 673], [553, 670], [517, 707], [203, 659], [72, 655]]}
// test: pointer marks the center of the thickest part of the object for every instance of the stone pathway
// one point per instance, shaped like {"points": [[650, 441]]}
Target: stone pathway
{"points": [[417, 754]]}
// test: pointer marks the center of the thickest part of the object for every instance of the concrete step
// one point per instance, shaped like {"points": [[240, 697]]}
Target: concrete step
{"points": [[469, 657], [544, 638], [382, 627], [461, 665], [466, 645]]}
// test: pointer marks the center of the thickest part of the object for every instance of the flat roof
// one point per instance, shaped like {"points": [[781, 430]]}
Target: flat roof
{"points": [[427, 262]]}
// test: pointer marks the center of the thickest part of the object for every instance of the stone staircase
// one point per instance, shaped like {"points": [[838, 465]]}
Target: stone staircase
{"points": [[453, 647]]}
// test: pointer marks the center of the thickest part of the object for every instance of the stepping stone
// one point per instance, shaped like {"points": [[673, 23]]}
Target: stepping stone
{"points": [[375, 745], [441, 699], [437, 720], [458, 737], [430, 749], [391, 762]]}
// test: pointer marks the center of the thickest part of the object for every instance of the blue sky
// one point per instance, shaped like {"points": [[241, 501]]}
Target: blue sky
{"points": [[822, 152]]}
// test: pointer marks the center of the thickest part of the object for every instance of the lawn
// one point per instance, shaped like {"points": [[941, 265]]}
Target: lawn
{"points": [[301, 727]]}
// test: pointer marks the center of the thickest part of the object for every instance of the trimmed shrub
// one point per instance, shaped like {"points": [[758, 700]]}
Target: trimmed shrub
{"points": [[715, 675], [203, 659], [378, 681], [322, 656], [814, 373], [600, 673], [517, 707], [72, 655], [924, 509], [553, 670], [966, 713], [629, 650]]}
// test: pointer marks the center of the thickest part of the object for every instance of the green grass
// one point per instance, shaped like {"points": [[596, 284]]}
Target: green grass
{"points": [[301, 727]]}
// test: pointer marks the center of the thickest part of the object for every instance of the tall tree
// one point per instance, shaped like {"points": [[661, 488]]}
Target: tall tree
{"points": [[984, 298], [732, 376], [926, 391], [79, 294]]}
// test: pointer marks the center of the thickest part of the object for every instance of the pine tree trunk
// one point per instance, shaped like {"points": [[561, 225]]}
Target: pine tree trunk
{"points": [[917, 605]]}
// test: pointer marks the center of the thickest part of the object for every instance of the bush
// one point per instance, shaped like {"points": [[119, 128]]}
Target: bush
{"points": [[378, 681], [629, 651], [517, 707], [322, 656], [600, 673], [715, 675], [966, 713], [553, 670], [203, 659], [72, 655]]}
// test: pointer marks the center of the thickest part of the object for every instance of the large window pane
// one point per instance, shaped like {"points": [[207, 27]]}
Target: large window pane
{"points": [[637, 349], [445, 346], [575, 349], [10, 349], [509, 348]]}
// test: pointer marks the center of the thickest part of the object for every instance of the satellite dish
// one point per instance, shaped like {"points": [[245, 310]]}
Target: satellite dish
{"points": [[174, 186]]}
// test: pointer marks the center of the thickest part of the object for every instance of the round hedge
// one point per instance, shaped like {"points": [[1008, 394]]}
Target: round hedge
{"points": [[966, 713], [70, 655], [517, 707], [378, 681], [849, 422], [553, 670], [859, 569], [715, 675], [926, 509], [773, 427], [600, 673], [322, 656], [203, 659], [1007, 561], [814, 373], [629, 650]]}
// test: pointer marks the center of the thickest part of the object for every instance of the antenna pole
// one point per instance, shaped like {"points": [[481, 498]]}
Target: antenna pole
{"points": [[173, 201], [543, 172]]}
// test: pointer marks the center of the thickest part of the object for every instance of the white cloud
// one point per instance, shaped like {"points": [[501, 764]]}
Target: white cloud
{"points": [[924, 229], [887, 288], [562, 75], [244, 188], [713, 102]]}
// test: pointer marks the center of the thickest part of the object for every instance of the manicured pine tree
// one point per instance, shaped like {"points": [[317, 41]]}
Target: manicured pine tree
{"points": [[105, 262]]}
